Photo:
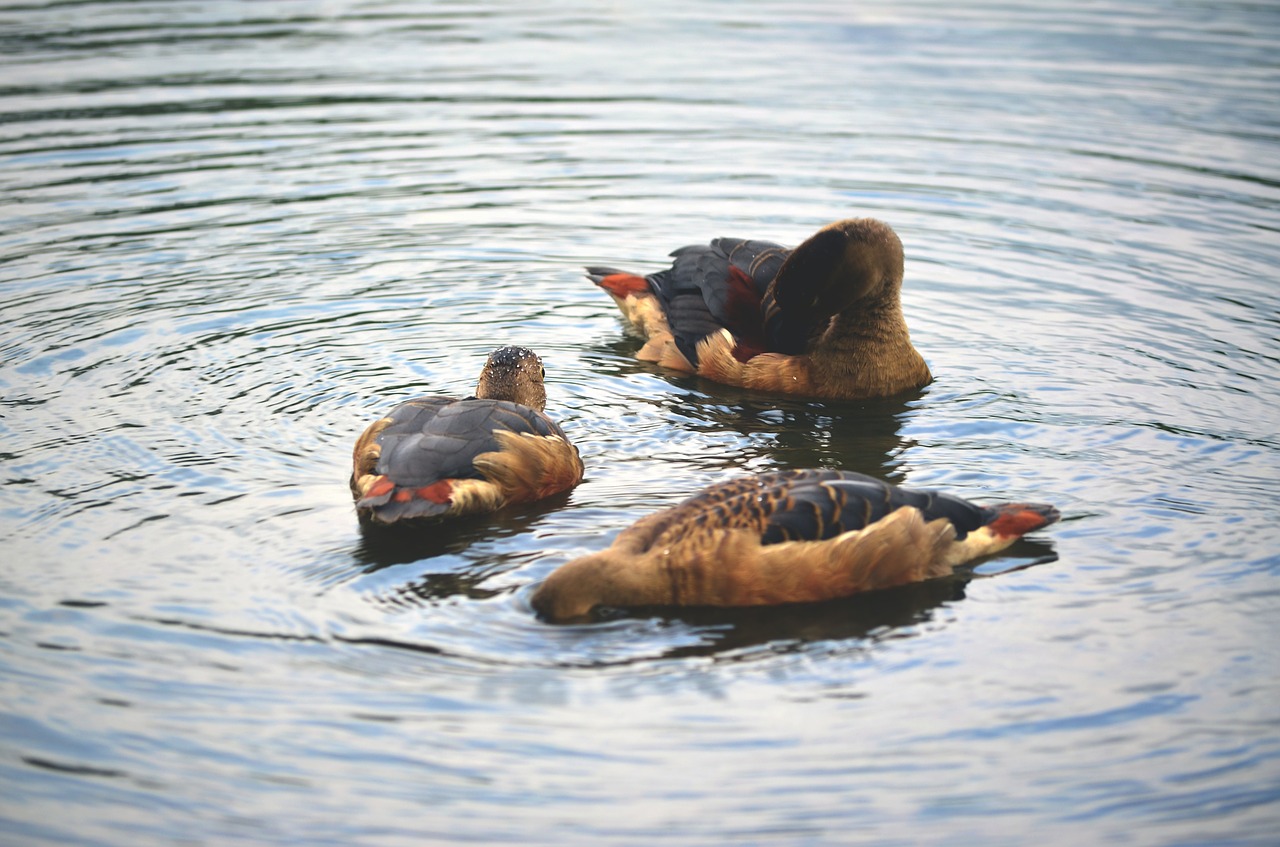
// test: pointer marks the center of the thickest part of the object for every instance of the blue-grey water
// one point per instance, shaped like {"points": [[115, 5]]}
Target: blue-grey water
{"points": [[233, 233]]}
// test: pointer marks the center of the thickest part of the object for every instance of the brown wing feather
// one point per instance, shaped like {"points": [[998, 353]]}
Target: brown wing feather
{"points": [[529, 467]]}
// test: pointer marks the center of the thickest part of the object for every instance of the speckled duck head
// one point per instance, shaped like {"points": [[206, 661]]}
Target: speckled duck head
{"points": [[516, 374]]}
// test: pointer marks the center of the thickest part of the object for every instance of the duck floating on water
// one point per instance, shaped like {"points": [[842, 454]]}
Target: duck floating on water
{"points": [[786, 537], [823, 320], [440, 456]]}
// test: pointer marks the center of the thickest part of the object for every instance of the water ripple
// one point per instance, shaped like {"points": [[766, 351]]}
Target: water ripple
{"points": [[236, 233]]}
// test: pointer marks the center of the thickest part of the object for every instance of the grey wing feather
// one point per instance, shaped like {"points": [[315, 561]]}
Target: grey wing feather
{"points": [[429, 442]]}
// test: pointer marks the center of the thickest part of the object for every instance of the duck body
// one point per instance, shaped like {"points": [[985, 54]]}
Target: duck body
{"points": [[786, 537], [436, 457], [821, 320]]}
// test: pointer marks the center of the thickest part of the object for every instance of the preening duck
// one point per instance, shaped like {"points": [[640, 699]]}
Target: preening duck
{"points": [[786, 537], [441, 456], [823, 320]]}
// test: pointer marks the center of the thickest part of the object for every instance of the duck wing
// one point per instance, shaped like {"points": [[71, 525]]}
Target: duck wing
{"points": [[424, 442], [809, 509], [814, 505], [717, 286]]}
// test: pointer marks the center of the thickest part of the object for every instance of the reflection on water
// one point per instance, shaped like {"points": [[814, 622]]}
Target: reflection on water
{"points": [[385, 546], [785, 433], [736, 634], [232, 232]]}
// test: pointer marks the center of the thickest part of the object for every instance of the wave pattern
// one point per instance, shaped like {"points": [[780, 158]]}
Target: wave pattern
{"points": [[234, 233]]}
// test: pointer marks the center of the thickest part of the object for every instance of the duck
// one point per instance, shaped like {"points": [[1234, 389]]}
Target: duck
{"points": [[821, 321], [797, 536], [436, 457]]}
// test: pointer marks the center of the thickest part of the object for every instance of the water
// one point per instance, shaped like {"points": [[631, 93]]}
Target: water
{"points": [[231, 234]]}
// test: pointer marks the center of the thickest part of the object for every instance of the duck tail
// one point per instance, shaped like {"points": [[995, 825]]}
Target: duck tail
{"points": [[1014, 520], [616, 282], [384, 502]]}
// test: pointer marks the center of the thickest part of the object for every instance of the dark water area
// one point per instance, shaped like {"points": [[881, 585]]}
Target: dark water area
{"points": [[232, 234]]}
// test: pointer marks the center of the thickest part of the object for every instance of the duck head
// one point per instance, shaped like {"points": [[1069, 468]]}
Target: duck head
{"points": [[855, 261], [575, 589], [516, 374]]}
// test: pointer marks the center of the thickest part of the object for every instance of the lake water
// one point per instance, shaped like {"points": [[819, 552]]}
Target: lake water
{"points": [[233, 233]]}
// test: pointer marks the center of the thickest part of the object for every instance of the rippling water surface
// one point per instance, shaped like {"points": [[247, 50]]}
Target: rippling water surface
{"points": [[231, 234]]}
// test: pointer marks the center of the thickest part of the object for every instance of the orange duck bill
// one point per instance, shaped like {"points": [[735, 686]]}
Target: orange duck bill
{"points": [[436, 457], [787, 537], [822, 320]]}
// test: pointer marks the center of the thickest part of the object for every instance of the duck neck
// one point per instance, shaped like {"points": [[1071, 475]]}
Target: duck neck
{"points": [[608, 578], [531, 394], [868, 344]]}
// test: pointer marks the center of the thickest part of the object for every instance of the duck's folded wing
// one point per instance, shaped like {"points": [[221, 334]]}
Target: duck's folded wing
{"points": [[818, 509], [717, 286], [433, 443], [757, 260]]}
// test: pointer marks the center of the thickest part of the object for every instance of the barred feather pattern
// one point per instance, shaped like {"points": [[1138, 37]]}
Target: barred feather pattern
{"points": [[786, 537]]}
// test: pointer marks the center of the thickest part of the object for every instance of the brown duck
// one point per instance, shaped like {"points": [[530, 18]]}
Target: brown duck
{"points": [[822, 320], [787, 537], [440, 456]]}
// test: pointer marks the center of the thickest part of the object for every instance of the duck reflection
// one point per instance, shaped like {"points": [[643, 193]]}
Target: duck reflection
{"points": [[853, 435], [429, 588], [862, 436], [386, 546]]}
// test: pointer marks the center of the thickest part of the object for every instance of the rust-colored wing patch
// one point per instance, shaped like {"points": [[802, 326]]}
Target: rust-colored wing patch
{"points": [[440, 457]]}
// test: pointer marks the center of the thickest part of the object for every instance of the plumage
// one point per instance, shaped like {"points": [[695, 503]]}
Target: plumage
{"points": [[441, 456], [822, 320], [785, 537]]}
